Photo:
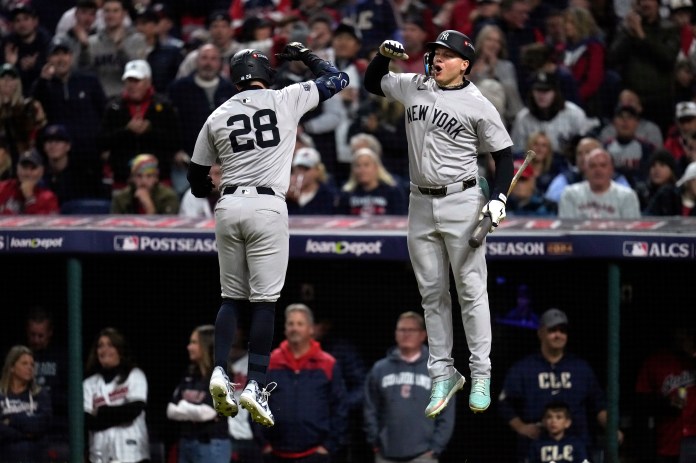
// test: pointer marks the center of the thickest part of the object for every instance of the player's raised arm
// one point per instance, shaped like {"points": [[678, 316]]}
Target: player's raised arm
{"points": [[329, 79], [379, 66]]}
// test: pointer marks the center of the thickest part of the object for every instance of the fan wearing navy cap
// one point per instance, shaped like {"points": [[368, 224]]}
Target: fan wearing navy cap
{"points": [[74, 99], [26, 46], [551, 375], [68, 180], [23, 195]]}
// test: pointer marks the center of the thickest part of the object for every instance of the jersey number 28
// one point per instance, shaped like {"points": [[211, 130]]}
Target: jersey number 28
{"points": [[259, 128]]}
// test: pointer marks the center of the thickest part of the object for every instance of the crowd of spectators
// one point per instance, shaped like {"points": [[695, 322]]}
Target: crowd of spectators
{"points": [[88, 86], [551, 399]]}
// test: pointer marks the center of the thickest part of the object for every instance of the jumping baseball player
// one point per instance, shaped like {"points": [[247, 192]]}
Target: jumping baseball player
{"points": [[253, 133], [448, 121]]}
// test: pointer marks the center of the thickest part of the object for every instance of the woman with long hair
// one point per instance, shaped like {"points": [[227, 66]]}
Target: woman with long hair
{"points": [[25, 409], [584, 57], [204, 436], [20, 118], [492, 63], [547, 163], [370, 190], [115, 396]]}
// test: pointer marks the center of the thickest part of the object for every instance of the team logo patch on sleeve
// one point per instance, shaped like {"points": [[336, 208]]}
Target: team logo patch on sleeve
{"points": [[306, 86]]}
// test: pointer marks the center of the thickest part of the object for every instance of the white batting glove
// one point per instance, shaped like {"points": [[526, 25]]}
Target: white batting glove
{"points": [[495, 208], [393, 49]]}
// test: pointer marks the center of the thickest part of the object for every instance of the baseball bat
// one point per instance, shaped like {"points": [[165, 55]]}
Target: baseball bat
{"points": [[484, 226]]}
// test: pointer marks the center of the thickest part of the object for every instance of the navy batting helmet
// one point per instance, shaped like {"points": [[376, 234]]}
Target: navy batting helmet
{"points": [[250, 64], [455, 41]]}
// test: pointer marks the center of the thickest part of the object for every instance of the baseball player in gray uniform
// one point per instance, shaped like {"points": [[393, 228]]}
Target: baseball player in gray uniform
{"points": [[448, 121], [253, 133]]}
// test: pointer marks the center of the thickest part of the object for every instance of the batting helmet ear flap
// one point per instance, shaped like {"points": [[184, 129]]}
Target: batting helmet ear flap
{"points": [[428, 58]]}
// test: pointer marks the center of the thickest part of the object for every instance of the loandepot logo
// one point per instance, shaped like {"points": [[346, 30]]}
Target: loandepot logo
{"points": [[343, 247], [35, 243]]}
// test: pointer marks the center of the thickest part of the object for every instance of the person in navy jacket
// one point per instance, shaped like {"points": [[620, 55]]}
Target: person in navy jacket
{"points": [[551, 375], [309, 400], [25, 409]]}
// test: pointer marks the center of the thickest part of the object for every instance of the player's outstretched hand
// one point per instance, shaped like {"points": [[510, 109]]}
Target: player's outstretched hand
{"points": [[393, 49], [294, 51], [495, 208]]}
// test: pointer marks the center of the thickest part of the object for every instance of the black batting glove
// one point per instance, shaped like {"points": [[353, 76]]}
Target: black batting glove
{"points": [[202, 189], [200, 181], [294, 51]]}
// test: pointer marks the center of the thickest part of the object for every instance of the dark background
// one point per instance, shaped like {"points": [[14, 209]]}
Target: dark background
{"points": [[156, 302]]}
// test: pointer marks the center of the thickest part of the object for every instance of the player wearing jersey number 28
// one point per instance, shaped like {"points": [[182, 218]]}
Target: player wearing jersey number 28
{"points": [[253, 133], [448, 121]]}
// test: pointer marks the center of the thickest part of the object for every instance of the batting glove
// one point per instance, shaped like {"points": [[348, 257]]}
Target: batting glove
{"points": [[294, 51], [393, 49], [495, 209], [202, 189]]}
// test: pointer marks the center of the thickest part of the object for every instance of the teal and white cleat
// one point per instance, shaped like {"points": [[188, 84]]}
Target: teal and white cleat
{"points": [[480, 395], [442, 392]]}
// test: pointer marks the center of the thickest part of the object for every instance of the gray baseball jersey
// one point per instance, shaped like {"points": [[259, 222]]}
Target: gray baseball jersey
{"points": [[445, 129], [254, 134]]}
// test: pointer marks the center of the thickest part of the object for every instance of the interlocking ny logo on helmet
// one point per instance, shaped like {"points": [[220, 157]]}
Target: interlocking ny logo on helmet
{"points": [[455, 41], [249, 64]]}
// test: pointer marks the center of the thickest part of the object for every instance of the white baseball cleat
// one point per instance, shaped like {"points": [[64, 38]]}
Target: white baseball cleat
{"points": [[255, 400], [222, 392]]}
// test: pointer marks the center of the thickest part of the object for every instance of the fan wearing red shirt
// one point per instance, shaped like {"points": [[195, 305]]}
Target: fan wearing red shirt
{"points": [[666, 383], [22, 195]]}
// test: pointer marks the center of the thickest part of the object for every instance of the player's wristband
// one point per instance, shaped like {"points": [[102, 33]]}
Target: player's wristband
{"points": [[318, 66]]}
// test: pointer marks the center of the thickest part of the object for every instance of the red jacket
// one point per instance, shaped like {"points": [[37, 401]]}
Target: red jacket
{"points": [[588, 69], [12, 200]]}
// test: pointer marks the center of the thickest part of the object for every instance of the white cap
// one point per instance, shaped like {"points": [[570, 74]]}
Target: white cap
{"points": [[137, 69], [307, 157], [686, 109], [677, 4], [689, 174]]}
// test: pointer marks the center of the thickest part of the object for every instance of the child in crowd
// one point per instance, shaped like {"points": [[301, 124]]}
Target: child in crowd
{"points": [[554, 444]]}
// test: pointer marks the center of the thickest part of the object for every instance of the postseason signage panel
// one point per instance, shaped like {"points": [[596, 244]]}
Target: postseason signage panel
{"points": [[342, 237]]}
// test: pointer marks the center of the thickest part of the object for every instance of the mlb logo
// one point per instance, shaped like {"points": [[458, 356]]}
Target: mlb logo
{"points": [[635, 248], [126, 243]]}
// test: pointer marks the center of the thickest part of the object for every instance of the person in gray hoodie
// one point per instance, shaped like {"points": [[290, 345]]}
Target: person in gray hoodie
{"points": [[395, 391]]}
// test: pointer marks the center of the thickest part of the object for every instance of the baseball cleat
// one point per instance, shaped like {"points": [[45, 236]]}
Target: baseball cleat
{"points": [[480, 395], [442, 392], [222, 392], [255, 401]]}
